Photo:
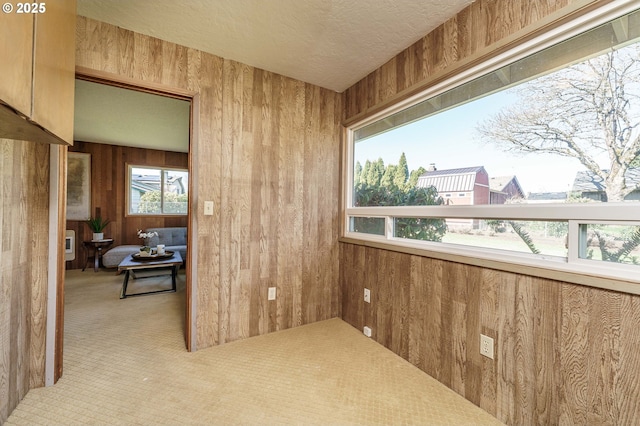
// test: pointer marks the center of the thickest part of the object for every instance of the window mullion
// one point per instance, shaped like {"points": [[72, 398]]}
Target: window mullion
{"points": [[389, 227], [573, 241], [162, 178]]}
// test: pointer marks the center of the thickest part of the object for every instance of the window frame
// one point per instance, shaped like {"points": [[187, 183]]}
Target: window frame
{"points": [[162, 170], [572, 268]]}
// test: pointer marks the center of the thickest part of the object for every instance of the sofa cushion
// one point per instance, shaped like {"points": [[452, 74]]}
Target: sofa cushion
{"points": [[113, 257], [168, 236]]}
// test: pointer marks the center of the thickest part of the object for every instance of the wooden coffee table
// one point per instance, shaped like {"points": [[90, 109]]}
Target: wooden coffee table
{"points": [[129, 265]]}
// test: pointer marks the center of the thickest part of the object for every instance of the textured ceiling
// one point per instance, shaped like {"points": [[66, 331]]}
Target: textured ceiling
{"points": [[329, 43]]}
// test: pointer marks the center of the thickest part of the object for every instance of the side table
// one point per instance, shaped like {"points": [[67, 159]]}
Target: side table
{"points": [[96, 246]]}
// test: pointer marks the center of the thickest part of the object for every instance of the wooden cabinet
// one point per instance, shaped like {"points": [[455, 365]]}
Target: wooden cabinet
{"points": [[16, 61], [37, 62]]}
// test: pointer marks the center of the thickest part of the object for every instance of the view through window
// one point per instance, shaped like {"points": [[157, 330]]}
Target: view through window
{"points": [[157, 191], [559, 127]]}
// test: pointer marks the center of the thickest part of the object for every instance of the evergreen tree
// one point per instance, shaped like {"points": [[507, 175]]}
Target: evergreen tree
{"points": [[388, 178], [414, 176], [357, 175], [401, 173], [374, 172], [376, 185]]}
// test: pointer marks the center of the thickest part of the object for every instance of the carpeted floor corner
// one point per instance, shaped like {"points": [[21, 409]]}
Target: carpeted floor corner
{"points": [[125, 364]]}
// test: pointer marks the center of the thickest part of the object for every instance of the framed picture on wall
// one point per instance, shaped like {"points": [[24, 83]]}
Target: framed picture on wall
{"points": [[78, 186]]}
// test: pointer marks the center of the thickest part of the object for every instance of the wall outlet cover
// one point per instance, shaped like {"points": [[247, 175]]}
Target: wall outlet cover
{"points": [[367, 331], [272, 293], [486, 346]]}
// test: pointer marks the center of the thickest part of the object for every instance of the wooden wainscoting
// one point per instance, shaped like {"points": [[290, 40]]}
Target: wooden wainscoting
{"points": [[564, 353]]}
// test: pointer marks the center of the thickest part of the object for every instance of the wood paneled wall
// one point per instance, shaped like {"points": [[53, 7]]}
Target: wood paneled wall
{"points": [[108, 193], [24, 250], [564, 353], [267, 154], [472, 31]]}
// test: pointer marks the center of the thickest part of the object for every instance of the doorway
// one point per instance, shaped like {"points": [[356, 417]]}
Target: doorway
{"points": [[125, 218]]}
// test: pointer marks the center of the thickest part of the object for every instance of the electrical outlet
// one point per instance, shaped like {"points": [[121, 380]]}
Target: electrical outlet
{"points": [[272, 293], [486, 346], [367, 295], [367, 331]]}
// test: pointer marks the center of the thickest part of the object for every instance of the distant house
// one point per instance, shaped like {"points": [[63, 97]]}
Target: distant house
{"points": [[461, 187], [141, 184], [546, 197], [465, 186], [588, 185], [503, 188]]}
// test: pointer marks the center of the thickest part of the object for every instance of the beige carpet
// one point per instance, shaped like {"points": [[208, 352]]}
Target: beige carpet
{"points": [[125, 363]]}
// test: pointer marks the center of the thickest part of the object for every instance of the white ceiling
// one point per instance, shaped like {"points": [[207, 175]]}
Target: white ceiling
{"points": [[329, 43], [116, 116]]}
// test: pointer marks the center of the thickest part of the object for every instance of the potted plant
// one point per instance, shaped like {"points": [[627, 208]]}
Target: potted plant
{"points": [[97, 225]]}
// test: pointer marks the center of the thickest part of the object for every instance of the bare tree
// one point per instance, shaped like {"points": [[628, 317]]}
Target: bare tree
{"points": [[587, 111]]}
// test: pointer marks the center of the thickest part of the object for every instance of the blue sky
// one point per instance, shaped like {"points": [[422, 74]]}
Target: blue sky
{"points": [[450, 140]]}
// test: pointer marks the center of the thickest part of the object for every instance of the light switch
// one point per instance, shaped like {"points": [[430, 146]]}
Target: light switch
{"points": [[208, 208]]}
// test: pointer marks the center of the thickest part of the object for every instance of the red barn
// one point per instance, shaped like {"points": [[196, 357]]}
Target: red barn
{"points": [[465, 186]]}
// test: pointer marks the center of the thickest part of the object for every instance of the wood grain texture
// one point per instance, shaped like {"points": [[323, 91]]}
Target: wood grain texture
{"points": [[108, 193], [564, 353], [54, 68], [268, 157], [24, 214], [16, 51], [472, 31]]}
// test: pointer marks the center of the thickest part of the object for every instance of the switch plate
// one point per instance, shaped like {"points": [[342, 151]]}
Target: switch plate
{"points": [[367, 331], [208, 208], [486, 346], [272, 293], [367, 295]]}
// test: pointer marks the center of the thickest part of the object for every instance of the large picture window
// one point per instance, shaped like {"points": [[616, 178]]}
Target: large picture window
{"points": [[533, 161], [157, 191]]}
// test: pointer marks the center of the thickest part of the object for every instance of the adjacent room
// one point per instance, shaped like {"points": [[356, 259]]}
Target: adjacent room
{"points": [[322, 212]]}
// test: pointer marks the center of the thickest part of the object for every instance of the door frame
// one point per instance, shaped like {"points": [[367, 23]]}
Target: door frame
{"points": [[57, 222]]}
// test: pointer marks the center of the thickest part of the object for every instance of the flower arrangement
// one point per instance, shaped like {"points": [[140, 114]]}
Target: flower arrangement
{"points": [[146, 250], [145, 235]]}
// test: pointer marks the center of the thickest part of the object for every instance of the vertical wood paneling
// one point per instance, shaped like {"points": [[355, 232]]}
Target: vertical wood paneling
{"points": [[24, 221], [552, 364], [564, 353], [627, 385], [38, 251], [108, 193], [268, 156], [575, 335], [475, 28]]}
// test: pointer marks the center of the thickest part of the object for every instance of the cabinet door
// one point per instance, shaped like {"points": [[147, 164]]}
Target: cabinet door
{"points": [[54, 68], [16, 48]]}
